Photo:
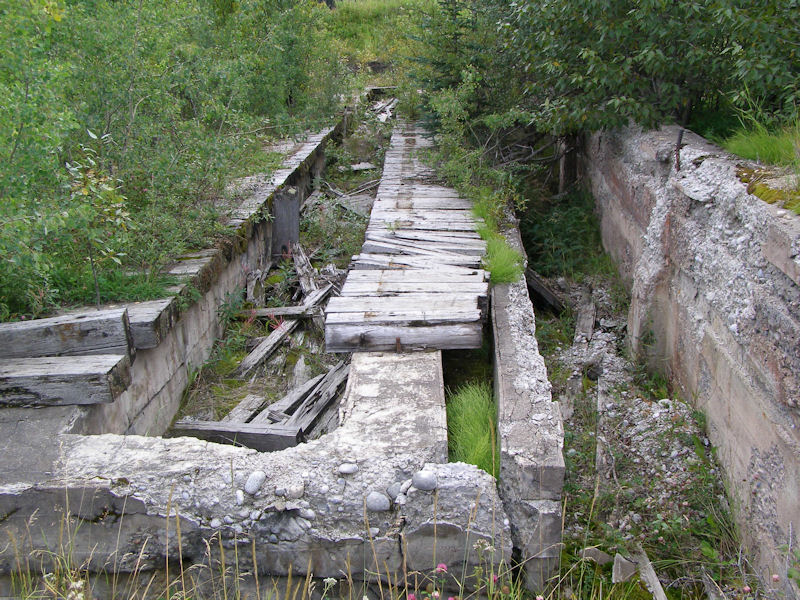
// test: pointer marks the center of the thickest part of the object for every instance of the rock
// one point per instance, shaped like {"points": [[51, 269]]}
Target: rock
{"points": [[393, 490], [596, 555], [348, 468], [401, 500], [239, 497], [280, 491], [373, 531], [406, 486], [623, 569], [307, 513], [254, 482], [215, 523], [378, 502], [295, 492], [424, 480]]}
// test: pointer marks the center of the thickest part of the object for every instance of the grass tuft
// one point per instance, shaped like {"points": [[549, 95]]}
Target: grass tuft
{"points": [[756, 142], [472, 427], [502, 261]]}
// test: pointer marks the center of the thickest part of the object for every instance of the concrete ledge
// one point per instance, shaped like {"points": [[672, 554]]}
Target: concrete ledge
{"points": [[531, 433], [376, 487]]}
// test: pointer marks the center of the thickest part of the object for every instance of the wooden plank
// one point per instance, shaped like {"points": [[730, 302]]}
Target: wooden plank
{"points": [[282, 312], [418, 203], [420, 224], [265, 349], [409, 275], [390, 288], [426, 233], [305, 272], [51, 381], [284, 407], [584, 323], [419, 303], [407, 319], [312, 407], [244, 411], [400, 261], [473, 240], [385, 245], [261, 437], [89, 333], [151, 321], [432, 214], [542, 291], [368, 338]]}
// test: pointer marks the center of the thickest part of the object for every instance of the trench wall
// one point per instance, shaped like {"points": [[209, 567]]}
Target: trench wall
{"points": [[714, 275]]}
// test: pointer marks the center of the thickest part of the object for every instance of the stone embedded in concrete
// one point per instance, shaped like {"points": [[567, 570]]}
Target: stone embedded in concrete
{"points": [[378, 502], [254, 482], [424, 480], [715, 299]]}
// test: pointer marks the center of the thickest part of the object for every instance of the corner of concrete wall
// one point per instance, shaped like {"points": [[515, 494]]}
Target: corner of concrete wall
{"points": [[531, 433], [715, 304]]}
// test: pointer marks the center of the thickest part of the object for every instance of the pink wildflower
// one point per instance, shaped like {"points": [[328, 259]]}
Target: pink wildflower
{"points": [[441, 568], [539, 597], [776, 578], [746, 589], [494, 578], [412, 597], [435, 594]]}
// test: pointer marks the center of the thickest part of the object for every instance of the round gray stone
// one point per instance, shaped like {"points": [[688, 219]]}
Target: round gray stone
{"points": [[378, 502], [216, 523], [295, 492], [254, 482], [424, 480], [348, 468], [393, 490]]}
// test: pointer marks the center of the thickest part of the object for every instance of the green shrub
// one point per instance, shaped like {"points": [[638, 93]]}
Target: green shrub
{"points": [[472, 427]]}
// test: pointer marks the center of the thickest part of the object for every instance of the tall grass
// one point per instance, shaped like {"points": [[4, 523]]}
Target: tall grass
{"points": [[472, 427], [771, 146]]}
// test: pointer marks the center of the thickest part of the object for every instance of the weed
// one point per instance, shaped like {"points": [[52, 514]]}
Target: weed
{"points": [[502, 261], [472, 427]]}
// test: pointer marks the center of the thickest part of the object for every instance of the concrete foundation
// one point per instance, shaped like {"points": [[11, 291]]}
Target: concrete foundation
{"points": [[713, 273]]}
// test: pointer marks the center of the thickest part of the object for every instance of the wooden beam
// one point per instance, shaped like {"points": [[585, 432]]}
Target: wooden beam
{"points": [[306, 415], [289, 403], [540, 290], [282, 312], [89, 333], [383, 338], [247, 407], [305, 272], [261, 437], [54, 381], [265, 349]]}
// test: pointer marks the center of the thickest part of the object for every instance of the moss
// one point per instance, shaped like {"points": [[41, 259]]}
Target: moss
{"points": [[754, 178]]}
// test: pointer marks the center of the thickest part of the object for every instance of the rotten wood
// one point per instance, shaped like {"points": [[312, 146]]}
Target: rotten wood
{"points": [[244, 411], [306, 274], [265, 349], [53, 381], [283, 408], [543, 292], [306, 414], [584, 323], [262, 437]]}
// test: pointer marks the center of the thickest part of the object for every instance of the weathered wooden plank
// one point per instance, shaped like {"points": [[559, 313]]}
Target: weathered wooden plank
{"points": [[584, 323], [305, 272], [393, 288], [151, 321], [472, 241], [431, 214], [409, 275], [388, 243], [400, 261], [368, 338], [418, 203], [407, 319], [49, 381], [244, 411], [317, 401], [265, 349], [542, 291], [94, 332], [420, 224], [419, 303], [467, 235], [262, 436]]}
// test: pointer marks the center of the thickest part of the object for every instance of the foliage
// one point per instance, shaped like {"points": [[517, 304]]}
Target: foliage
{"points": [[472, 427], [182, 94], [776, 147]]}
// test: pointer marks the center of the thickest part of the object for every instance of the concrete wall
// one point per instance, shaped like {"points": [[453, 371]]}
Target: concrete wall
{"points": [[713, 273], [531, 433]]}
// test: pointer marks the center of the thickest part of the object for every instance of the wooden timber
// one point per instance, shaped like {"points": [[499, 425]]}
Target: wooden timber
{"points": [[264, 437], [93, 332], [51, 381], [265, 349]]}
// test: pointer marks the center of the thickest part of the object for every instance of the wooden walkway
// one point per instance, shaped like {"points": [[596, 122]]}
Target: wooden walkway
{"points": [[417, 283]]}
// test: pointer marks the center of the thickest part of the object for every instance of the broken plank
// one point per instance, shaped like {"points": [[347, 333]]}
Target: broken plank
{"points": [[542, 291], [262, 437], [282, 312], [305, 272], [428, 262], [284, 407], [407, 319], [53, 381], [88, 333], [367, 338], [389, 246], [318, 400], [474, 240], [265, 348], [244, 411]]}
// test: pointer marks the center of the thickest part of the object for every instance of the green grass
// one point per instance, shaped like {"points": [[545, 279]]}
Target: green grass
{"points": [[472, 427], [774, 147], [503, 262]]}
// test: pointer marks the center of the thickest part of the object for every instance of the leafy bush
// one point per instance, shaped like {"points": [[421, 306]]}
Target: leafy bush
{"points": [[179, 96]]}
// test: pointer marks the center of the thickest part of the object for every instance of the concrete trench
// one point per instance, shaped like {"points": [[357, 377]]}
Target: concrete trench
{"points": [[375, 498]]}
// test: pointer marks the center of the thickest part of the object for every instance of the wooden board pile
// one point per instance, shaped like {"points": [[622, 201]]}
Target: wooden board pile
{"points": [[417, 283]]}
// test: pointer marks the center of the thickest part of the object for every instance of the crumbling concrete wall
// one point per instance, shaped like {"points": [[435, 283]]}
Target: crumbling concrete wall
{"points": [[375, 495], [714, 274], [531, 432]]}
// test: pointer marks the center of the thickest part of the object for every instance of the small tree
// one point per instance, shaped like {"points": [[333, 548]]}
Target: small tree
{"points": [[98, 213]]}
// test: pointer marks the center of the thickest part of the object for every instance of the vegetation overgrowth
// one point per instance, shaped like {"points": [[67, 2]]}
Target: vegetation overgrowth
{"points": [[121, 122], [472, 427]]}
